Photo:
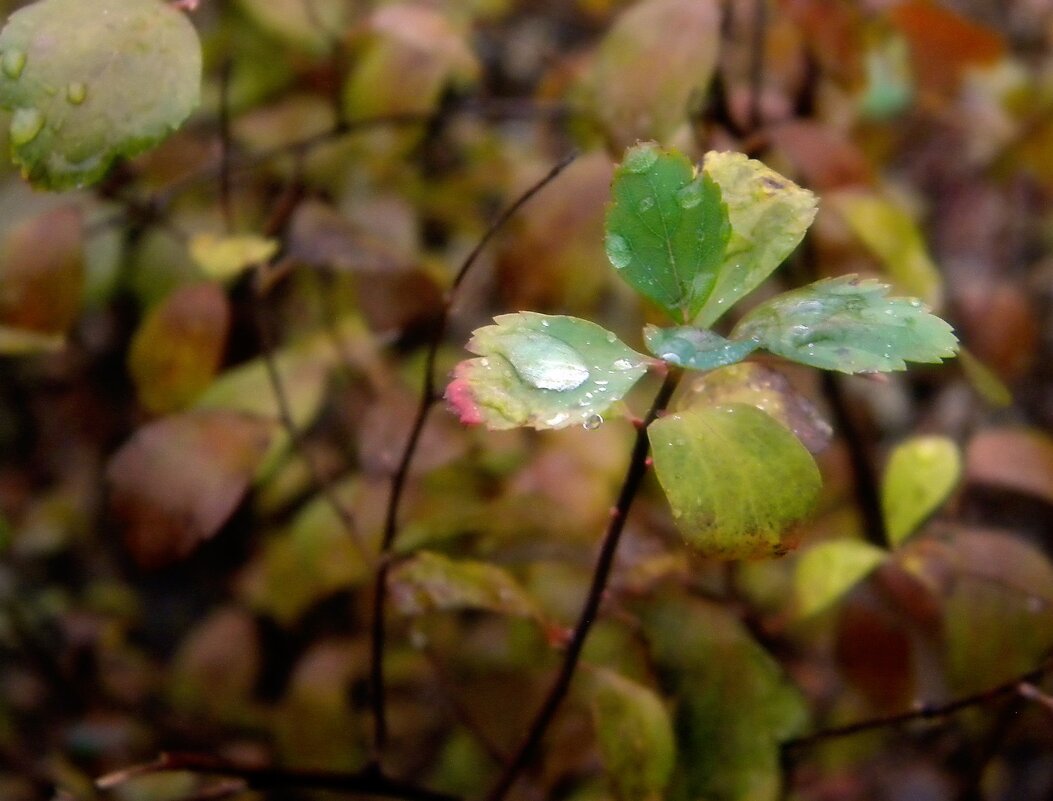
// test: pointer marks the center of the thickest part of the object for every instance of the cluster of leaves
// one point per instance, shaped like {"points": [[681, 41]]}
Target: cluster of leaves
{"points": [[695, 241], [221, 357]]}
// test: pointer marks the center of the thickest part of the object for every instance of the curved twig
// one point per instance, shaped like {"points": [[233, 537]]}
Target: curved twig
{"points": [[428, 397], [630, 486]]}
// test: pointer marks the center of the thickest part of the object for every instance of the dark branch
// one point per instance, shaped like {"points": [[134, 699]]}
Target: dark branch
{"points": [[925, 712], [630, 486], [398, 482]]}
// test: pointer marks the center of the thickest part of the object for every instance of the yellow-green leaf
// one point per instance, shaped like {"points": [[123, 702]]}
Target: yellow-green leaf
{"points": [[635, 736], [769, 215], [894, 237], [921, 473], [738, 482], [825, 572], [225, 257]]}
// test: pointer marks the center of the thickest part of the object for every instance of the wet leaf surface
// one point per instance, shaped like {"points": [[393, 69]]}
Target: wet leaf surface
{"points": [[849, 325], [738, 482], [82, 80], [542, 371]]}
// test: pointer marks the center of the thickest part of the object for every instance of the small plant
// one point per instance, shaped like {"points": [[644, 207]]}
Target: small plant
{"points": [[695, 241]]}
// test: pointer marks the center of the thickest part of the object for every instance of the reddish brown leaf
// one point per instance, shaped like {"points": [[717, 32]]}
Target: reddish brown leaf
{"points": [[943, 44], [823, 156], [1018, 459], [42, 272], [178, 348], [177, 480]]}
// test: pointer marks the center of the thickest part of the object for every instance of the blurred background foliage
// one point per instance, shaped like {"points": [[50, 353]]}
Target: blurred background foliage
{"points": [[175, 573]]}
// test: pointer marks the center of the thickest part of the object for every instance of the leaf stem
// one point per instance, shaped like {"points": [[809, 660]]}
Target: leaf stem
{"points": [[634, 474], [427, 399]]}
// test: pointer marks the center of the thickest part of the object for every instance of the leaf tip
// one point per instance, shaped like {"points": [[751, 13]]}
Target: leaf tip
{"points": [[461, 400]]}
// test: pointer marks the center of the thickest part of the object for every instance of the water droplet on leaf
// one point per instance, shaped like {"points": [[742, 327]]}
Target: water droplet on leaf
{"points": [[592, 422], [12, 63], [645, 204], [640, 158], [25, 125], [691, 195], [546, 362], [76, 92], [618, 251]]}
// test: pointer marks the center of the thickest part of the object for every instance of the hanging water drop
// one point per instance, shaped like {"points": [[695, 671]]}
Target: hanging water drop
{"points": [[12, 63], [640, 158], [76, 93], [25, 125]]}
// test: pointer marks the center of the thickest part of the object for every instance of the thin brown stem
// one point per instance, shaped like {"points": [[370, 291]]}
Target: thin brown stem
{"points": [[561, 684], [427, 399], [759, 31], [925, 712]]}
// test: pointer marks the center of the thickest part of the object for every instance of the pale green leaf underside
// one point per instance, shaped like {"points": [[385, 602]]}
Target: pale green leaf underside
{"points": [[225, 257], [90, 81], [848, 324], [696, 348], [666, 229], [542, 371], [635, 736], [769, 215], [828, 570], [430, 581], [921, 473], [738, 482]]}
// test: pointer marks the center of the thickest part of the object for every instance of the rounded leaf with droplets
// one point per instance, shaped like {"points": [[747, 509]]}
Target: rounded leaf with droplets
{"points": [[87, 82], [738, 482], [542, 371]]}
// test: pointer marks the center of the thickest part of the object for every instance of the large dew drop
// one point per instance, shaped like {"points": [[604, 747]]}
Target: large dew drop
{"points": [[544, 361], [26, 123], [76, 93], [640, 158], [12, 63], [618, 251]]}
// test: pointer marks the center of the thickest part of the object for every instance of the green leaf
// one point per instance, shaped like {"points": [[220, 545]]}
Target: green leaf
{"points": [[635, 736], [430, 581], [696, 348], [768, 390], [893, 236], [825, 572], [653, 67], [734, 705], [89, 82], [921, 473], [769, 215], [666, 229], [848, 324], [225, 257], [738, 481], [542, 371]]}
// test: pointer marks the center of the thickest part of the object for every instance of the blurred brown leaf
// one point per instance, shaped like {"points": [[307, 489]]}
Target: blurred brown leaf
{"points": [[42, 272], [178, 348], [177, 480], [1018, 459]]}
